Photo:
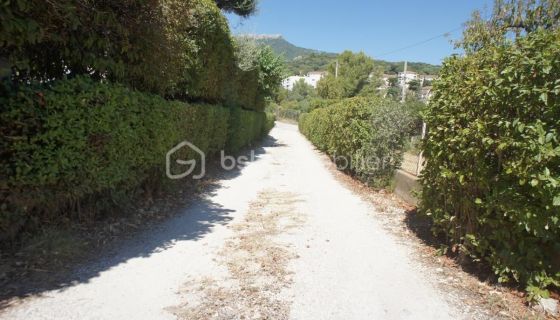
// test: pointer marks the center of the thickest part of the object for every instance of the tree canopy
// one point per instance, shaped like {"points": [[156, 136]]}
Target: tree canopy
{"points": [[354, 74], [509, 20], [242, 8]]}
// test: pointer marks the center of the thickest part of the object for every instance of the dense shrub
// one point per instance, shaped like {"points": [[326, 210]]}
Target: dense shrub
{"points": [[180, 49], [206, 55], [77, 146], [364, 135], [492, 179], [46, 40], [259, 73], [246, 126], [269, 123]]}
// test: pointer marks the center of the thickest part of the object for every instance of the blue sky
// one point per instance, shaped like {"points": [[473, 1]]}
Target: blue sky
{"points": [[375, 27]]}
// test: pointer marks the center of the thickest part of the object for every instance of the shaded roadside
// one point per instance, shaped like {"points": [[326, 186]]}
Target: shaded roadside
{"points": [[95, 247]]}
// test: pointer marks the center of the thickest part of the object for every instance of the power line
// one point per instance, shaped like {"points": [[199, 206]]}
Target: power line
{"points": [[419, 43]]}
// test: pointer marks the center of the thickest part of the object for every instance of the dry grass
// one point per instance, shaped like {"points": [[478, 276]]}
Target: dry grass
{"points": [[257, 265]]}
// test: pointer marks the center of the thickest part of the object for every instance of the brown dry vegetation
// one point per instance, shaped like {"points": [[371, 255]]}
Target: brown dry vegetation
{"points": [[257, 266]]}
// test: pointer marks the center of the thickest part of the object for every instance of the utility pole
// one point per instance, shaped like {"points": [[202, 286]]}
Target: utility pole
{"points": [[336, 70], [403, 98], [421, 154]]}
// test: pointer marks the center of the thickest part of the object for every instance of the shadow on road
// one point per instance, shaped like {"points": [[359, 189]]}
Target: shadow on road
{"points": [[194, 218]]}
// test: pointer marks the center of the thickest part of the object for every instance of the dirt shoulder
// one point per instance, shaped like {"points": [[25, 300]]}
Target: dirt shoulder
{"points": [[470, 287]]}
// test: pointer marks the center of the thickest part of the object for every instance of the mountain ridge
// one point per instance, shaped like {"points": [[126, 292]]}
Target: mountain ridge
{"points": [[283, 47], [301, 60]]}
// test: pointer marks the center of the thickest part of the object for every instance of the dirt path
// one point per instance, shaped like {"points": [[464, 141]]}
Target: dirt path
{"points": [[281, 240]]}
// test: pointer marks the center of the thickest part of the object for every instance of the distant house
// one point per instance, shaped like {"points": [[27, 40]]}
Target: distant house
{"points": [[405, 78], [289, 82], [312, 78], [413, 76], [428, 77]]}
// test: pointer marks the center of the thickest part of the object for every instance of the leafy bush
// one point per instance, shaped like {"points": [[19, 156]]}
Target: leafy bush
{"points": [[206, 55], [246, 126], [259, 74], [46, 40], [365, 136], [180, 49], [269, 124], [73, 147], [492, 179]]}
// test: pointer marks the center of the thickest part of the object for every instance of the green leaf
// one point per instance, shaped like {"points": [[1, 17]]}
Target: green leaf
{"points": [[544, 98]]}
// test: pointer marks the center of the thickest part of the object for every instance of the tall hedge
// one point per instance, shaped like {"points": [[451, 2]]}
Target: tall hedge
{"points": [[365, 136], [245, 127], [72, 147], [492, 178], [94, 93], [179, 49]]}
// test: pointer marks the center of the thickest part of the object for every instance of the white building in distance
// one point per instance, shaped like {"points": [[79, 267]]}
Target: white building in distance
{"points": [[312, 78], [407, 77], [411, 76]]}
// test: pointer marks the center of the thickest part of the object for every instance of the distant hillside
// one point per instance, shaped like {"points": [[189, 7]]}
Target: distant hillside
{"points": [[285, 48], [301, 60]]}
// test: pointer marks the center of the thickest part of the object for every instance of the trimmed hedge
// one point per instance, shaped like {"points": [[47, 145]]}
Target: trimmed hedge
{"points": [[492, 179], [78, 144], [365, 136], [179, 49], [246, 126]]}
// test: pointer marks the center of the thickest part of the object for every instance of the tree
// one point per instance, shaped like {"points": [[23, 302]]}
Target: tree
{"points": [[271, 71], [301, 91], [414, 86], [394, 93], [242, 8], [510, 19], [354, 74], [330, 87]]}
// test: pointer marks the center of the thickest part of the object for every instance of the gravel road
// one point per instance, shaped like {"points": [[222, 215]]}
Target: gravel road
{"points": [[283, 239]]}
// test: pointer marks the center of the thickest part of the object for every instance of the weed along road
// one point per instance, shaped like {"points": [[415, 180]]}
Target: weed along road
{"points": [[281, 238]]}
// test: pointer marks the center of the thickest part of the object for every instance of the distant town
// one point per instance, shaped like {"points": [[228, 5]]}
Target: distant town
{"points": [[389, 80]]}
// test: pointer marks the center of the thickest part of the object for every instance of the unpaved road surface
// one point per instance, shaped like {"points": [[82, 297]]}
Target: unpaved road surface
{"points": [[282, 239]]}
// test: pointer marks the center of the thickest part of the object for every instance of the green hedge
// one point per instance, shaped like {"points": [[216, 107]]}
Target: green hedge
{"points": [[492, 180], [179, 49], [246, 126], [365, 136], [79, 144], [269, 122]]}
